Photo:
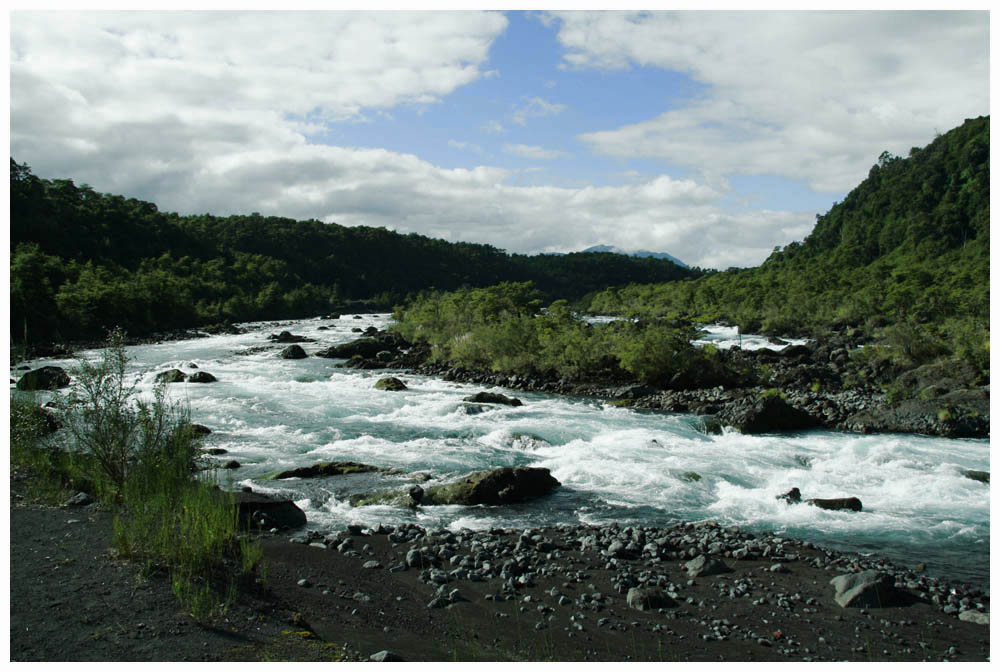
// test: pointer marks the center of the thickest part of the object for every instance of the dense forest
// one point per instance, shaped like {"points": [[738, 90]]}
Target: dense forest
{"points": [[83, 262], [903, 262], [910, 244]]}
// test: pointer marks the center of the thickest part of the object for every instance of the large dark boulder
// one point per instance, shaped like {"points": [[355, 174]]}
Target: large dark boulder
{"points": [[363, 347], [260, 511], [288, 337], [293, 352], [498, 486], [322, 469], [492, 398], [769, 414], [837, 503], [45, 378], [390, 384], [201, 377]]}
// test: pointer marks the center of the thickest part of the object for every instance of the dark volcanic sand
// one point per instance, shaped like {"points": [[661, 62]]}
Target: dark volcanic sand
{"points": [[71, 600]]}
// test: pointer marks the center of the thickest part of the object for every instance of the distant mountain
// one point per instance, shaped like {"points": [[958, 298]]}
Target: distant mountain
{"points": [[638, 253]]}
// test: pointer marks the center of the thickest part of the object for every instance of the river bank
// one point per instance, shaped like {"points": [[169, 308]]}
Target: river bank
{"points": [[405, 593]]}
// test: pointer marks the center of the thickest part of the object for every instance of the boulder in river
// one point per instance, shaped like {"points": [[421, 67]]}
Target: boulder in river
{"points": [[364, 347], [793, 496], [322, 469], [202, 377], [293, 352], [45, 378], [390, 384], [981, 476], [492, 398], [171, 376], [837, 503], [288, 337], [498, 486]]}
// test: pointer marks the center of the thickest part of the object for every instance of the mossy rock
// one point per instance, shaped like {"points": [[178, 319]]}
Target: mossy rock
{"points": [[171, 376], [498, 486], [691, 476], [202, 377], [390, 385], [323, 469]]}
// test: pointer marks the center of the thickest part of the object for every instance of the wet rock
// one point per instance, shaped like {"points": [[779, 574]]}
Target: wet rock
{"points": [[199, 430], [498, 486], [202, 377], [981, 476], [870, 588], [171, 376], [288, 337], [492, 398], [837, 504], [770, 414], [365, 348], [323, 469], [293, 352], [793, 496], [390, 384], [45, 378], [386, 656]]}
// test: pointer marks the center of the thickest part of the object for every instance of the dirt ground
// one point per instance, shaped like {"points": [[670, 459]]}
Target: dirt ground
{"points": [[72, 600]]}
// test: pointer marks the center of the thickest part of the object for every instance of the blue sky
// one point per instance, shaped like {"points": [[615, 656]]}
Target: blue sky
{"points": [[714, 136]]}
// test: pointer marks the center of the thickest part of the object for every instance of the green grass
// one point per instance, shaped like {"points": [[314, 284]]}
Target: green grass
{"points": [[137, 457]]}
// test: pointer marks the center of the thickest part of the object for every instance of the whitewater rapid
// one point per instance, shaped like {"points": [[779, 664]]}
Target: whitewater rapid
{"points": [[614, 464]]}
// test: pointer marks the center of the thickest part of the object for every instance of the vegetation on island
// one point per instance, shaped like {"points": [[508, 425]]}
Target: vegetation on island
{"points": [[903, 261]]}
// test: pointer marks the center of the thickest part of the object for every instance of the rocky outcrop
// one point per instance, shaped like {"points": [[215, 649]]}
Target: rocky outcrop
{"points": [[769, 414], [981, 476], [45, 378], [363, 347], [958, 414]]}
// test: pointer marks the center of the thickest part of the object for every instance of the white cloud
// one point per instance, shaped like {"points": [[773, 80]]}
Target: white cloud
{"points": [[535, 107], [493, 126], [807, 95], [533, 152], [209, 112]]}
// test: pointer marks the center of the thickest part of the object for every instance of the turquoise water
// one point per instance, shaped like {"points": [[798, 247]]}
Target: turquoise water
{"points": [[614, 464]]}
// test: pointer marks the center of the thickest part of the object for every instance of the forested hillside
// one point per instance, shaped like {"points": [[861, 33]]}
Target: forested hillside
{"points": [[83, 262], [909, 246]]}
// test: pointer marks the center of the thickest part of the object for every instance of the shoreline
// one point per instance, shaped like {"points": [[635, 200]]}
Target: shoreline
{"points": [[502, 595]]}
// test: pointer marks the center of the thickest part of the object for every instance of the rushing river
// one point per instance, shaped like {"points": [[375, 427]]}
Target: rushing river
{"points": [[614, 464]]}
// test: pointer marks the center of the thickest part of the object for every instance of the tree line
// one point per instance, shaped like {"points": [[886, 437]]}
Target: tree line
{"points": [[83, 262]]}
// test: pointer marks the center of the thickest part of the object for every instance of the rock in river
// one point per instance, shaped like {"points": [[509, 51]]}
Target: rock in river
{"points": [[390, 384], [498, 486], [492, 398], [45, 378]]}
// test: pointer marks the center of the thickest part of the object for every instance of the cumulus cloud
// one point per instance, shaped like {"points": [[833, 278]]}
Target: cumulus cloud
{"points": [[209, 112], [534, 152], [807, 95]]}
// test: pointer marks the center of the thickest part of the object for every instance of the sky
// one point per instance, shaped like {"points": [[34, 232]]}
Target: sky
{"points": [[713, 136]]}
